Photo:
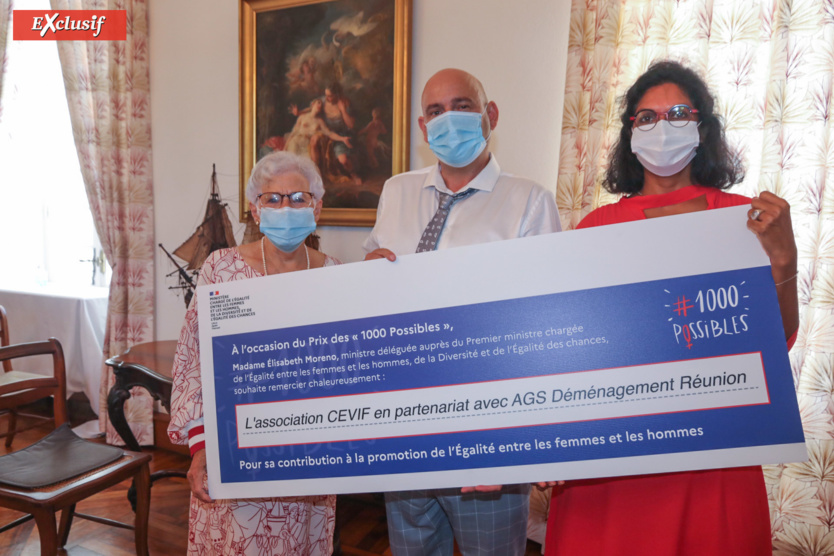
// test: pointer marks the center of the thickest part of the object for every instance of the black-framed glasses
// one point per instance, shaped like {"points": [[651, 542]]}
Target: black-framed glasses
{"points": [[677, 116], [297, 199]]}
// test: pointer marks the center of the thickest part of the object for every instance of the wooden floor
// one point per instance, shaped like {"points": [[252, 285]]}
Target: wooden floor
{"points": [[363, 530]]}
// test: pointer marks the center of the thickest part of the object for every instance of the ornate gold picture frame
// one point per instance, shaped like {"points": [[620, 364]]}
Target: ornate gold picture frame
{"points": [[330, 80]]}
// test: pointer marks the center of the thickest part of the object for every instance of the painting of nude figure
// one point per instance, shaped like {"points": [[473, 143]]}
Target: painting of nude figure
{"points": [[329, 81]]}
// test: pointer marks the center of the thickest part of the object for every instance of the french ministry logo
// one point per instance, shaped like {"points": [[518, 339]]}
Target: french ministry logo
{"points": [[69, 25]]}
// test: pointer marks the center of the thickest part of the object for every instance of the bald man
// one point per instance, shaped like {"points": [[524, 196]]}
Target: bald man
{"points": [[464, 199]]}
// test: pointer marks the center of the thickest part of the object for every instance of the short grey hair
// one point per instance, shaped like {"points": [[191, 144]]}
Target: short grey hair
{"points": [[279, 163]]}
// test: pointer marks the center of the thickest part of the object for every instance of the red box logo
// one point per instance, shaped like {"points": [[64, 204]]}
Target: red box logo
{"points": [[70, 25]]}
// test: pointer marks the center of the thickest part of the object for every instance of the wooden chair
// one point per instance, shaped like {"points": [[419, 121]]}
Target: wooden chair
{"points": [[148, 365], [21, 388], [62, 469]]}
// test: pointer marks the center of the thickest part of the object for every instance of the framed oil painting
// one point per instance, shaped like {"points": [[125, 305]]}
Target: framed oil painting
{"points": [[328, 80]]}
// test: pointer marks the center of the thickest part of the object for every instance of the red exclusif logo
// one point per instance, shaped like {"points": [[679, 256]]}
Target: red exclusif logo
{"points": [[70, 25]]}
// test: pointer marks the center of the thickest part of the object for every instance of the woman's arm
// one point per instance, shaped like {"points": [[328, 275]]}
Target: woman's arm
{"points": [[187, 392], [187, 403], [197, 476], [186, 424], [773, 228]]}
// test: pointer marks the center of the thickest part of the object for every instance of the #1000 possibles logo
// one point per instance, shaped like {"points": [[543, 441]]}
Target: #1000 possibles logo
{"points": [[69, 25], [710, 313]]}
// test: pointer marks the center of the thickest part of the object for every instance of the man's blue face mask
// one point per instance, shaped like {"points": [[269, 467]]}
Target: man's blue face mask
{"points": [[456, 138]]}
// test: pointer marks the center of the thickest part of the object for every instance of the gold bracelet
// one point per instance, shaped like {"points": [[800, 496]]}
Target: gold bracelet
{"points": [[788, 280]]}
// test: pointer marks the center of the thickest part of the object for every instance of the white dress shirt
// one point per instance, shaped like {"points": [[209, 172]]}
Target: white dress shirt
{"points": [[504, 207]]}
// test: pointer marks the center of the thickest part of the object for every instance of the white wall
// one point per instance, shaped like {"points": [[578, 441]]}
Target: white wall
{"points": [[517, 49]]}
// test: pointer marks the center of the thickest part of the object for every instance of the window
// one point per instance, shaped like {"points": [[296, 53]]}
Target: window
{"points": [[45, 220]]}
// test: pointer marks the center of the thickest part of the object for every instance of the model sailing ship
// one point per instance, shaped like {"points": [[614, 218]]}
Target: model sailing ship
{"points": [[214, 232]]}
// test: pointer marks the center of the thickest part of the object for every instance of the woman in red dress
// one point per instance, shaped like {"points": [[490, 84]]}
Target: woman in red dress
{"points": [[672, 158]]}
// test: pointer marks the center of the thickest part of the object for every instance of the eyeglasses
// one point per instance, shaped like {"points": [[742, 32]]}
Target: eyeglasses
{"points": [[297, 199], [677, 116]]}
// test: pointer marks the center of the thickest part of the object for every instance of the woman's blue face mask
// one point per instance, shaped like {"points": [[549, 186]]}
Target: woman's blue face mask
{"points": [[286, 227], [457, 138]]}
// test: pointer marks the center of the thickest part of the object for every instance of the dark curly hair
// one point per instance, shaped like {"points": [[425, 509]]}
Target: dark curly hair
{"points": [[714, 165]]}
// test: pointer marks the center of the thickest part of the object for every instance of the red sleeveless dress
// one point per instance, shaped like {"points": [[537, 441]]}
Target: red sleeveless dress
{"points": [[717, 512]]}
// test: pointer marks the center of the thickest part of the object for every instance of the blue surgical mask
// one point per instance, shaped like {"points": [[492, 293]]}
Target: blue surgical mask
{"points": [[456, 138], [286, 227]]}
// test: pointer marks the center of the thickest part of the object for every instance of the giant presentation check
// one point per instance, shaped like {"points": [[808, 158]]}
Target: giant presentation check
{"points": [[634, 348]]}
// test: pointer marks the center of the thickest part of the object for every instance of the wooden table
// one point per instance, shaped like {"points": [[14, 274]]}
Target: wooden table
{"points": [[76, 316], [147, 365]]}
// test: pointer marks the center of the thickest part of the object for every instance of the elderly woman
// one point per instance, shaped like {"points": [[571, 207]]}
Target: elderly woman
{"points": [[672, 158], [284, 193]]}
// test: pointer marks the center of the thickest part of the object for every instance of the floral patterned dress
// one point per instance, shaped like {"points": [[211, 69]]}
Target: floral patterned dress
{"points": [[290, 526]]}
